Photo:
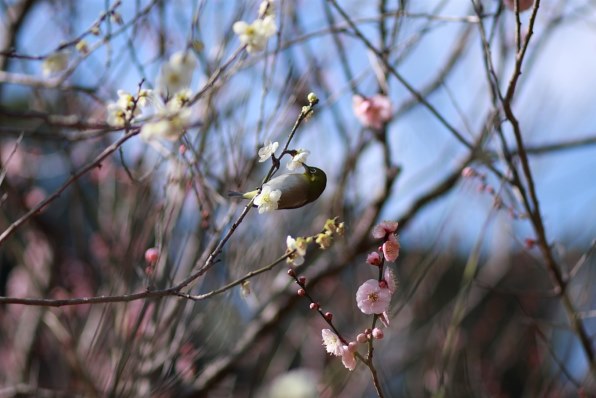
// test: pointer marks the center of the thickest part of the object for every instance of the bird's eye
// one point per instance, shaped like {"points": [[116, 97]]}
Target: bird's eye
{"points": [[312, 171]]}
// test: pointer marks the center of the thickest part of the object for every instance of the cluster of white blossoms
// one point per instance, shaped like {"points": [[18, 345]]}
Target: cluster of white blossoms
{"points": [[268, 199], [170, 115], [127, 107], [255, 35], [170, 119], [298, 158], [171, 106]]}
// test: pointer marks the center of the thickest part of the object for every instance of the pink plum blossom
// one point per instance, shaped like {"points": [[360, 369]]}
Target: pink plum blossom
{"points": [[371, 298], [391, 249], [383, 229], [348, 358], [372, 111]]}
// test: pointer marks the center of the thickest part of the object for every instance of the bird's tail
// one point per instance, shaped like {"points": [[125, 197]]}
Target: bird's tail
{"points": [[234, 194]]}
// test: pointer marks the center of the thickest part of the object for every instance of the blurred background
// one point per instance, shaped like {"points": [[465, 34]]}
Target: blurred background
{"points": [[494, 294]]}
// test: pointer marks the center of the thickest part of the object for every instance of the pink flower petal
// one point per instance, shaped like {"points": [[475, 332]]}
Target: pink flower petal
{"points": [[348, 359], [391, 249]]}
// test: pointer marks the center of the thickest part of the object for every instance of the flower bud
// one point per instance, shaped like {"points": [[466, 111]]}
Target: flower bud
{"points": [[377, 333]]}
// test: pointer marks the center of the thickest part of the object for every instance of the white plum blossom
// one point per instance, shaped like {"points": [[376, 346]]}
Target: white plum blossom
{"points": [[256, 34], [268, 199], [144, 98], [169, 122], [298, 160], [116, 115], [176, 74], [335, 346], [267, 150], [126, 107], [298, 246], [181, 98], [55, 63], [332, 343]]}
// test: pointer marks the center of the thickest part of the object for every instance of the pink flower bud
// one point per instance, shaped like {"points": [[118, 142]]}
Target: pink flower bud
{"points": [[529, 243], [377, 333], [468, 172], [361, 338], [328, 316], [301, 292], [352, 346], [314, 306], [302, 280], [151, 255], [374, 258]]}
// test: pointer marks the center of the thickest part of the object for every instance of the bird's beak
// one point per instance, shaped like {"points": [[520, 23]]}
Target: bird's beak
{"points": [[306, 167]]}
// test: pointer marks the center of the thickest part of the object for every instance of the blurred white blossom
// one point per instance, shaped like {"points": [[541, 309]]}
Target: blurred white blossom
{"points": [[176, 74], [54, 63], [256, 34]]}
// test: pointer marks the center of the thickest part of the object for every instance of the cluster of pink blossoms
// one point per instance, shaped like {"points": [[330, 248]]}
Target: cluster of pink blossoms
{"points": [[373, 296], [373, 111]]}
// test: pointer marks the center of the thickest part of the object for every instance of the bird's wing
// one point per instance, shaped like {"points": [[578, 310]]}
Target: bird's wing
{"points": [[294, 190]]}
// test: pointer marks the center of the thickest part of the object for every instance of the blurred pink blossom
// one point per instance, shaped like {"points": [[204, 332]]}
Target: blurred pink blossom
{"points": [[185, 364], [35, 196], [383, 229], [390, 279], [152, 255], [373, 111], [14, 159]]}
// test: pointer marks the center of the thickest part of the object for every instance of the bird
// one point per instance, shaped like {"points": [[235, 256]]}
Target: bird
{"points": [[297, 189]]}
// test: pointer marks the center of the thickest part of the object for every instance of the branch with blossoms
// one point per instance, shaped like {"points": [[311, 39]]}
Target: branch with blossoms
{"points": [[372, 297]]}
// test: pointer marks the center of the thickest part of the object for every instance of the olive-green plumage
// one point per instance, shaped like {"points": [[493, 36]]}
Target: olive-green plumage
{"points": [[297, 189]]}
